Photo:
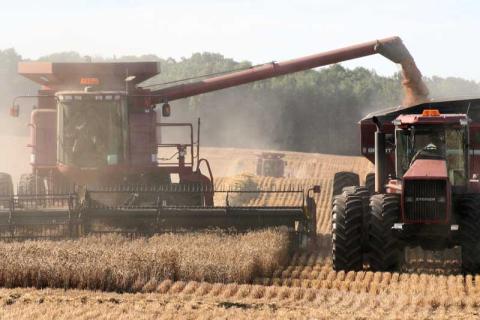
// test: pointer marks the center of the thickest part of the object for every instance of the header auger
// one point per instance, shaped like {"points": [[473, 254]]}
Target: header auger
{"points": [[101, 163]]}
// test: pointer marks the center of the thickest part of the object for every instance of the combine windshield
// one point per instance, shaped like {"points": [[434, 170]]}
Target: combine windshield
{"points": [[91, 129], [433, 142]]}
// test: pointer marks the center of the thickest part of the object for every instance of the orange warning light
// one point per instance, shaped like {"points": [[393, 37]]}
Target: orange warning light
{"points": [[89, 81], [431, 113]]}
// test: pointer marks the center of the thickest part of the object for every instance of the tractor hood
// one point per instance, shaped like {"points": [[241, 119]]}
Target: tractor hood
{"points": [[427, 169]]}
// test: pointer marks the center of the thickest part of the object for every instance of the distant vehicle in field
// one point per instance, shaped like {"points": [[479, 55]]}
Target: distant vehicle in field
{"points": [[271, 164]]}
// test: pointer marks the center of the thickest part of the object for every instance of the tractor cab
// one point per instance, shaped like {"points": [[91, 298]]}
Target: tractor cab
{"points": [[426, 194], [432, 136]]}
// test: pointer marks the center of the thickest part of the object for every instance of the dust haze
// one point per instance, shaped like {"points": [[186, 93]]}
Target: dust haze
{"points": [[233, 118], [15, 156]]}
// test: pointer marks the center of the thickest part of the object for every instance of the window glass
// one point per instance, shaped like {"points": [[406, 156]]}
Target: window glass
{"points": [[91, 133], [433, 143]]}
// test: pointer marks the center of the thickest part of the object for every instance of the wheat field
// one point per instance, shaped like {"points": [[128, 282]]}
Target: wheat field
{"points": [[304, 286], [117, 263]]}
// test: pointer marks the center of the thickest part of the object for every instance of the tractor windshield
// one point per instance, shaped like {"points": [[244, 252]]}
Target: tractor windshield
{"points": [[433, 142], [91, 129]]}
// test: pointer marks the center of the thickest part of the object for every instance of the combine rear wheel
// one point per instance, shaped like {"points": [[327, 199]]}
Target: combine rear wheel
{"points": [[6, 189], [384, 247], [344, 179], [469, 220], [347, 232]]}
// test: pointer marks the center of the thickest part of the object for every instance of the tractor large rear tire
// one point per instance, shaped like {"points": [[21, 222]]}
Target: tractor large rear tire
{"points": [[385, 251], [6, 189], [363, 193], [370, 182], [344, 179], [468, 208], [347, 232]]}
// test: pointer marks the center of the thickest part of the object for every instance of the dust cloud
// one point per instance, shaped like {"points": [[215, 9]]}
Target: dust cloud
{"points": [[234, 118], [15, 155]]}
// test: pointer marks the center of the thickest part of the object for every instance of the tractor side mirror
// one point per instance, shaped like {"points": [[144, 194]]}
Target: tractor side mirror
{"points": [[166, 110], [15, 110]]}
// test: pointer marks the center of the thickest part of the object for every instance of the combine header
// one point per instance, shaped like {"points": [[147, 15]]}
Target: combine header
{"points": [[102, 158]]}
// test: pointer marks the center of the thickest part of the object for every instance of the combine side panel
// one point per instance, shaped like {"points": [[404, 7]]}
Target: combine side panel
{"points": [[43, 130]]}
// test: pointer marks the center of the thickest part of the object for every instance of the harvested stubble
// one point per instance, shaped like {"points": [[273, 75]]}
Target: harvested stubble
{"points": [[247, 303], [115, 263]]}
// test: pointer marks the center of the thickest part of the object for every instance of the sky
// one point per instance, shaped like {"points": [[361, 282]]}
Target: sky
{"points": [[441, 35]]}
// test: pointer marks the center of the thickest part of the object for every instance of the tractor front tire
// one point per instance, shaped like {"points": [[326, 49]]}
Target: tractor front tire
{"points": [[468, 208], [385, 251], [347, 232], [344, 179]]}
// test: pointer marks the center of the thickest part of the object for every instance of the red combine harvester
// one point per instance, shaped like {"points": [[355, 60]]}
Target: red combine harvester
{"points": [[96, 153], [427, 191]]}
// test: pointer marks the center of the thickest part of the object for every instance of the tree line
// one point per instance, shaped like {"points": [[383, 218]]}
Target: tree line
{"points": [[309, 111]]}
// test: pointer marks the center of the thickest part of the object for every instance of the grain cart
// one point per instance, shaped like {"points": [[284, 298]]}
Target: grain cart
{"points": [[427, 191], [97, 153]]}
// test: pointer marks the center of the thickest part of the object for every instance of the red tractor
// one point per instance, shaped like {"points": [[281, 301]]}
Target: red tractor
{"points": [[97, 157], [427, 191]]}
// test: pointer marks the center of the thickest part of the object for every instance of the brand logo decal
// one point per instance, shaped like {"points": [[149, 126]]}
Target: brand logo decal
{"points": [[425, 199]]}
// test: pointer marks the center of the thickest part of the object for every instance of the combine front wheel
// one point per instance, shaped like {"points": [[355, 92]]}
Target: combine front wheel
{"points": [[384, 247], [469, 220], [347, 232]]}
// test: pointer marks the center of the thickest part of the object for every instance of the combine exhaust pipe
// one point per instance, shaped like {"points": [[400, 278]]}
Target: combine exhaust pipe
{"points": [[380, 157]]}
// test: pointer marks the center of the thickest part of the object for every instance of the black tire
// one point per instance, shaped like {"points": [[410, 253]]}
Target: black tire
{"points": [[468, 209], [344, 179], [385, 251], [6, 189], [347, 232], [363, 193], [370, 182]]}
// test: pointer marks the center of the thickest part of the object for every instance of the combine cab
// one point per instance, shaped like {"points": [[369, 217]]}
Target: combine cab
{"points": [[427, 191]]}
